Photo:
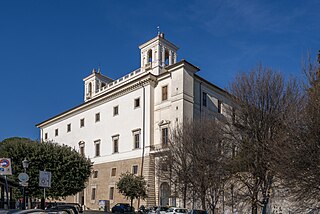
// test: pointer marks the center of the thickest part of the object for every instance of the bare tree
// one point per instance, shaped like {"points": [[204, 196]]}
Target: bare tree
{"points": [[302, 158], [196, 156], [264, 102]]}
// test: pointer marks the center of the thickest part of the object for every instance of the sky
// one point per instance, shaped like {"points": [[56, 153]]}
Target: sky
{"points": [[48, 47]]}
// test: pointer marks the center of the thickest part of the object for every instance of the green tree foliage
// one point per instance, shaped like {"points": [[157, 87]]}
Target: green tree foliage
{"points": [[132, 186], [69, 169]]}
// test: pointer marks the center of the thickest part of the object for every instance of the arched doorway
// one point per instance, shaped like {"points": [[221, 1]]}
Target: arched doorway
{"points": [[164, 194]]}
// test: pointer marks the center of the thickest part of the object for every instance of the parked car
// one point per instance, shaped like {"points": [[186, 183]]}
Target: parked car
{"points": [[151, 210], [177, 210], [122, 208], [162, 210], [198, 212], [29, 211]]}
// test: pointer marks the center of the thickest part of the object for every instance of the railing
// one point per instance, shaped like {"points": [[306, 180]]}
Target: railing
{"points": [[117, 82]]}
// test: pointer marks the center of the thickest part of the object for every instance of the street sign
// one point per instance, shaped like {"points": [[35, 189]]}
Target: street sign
{"points": [[24, 184], [23, 177], [5, 166], [44, 179]]}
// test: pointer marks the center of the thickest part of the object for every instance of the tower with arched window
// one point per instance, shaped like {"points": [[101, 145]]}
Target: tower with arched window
{"points": [[157, 53]]}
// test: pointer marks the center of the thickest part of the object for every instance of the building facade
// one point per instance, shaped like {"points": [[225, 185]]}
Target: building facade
{"points": [[123, 123]]}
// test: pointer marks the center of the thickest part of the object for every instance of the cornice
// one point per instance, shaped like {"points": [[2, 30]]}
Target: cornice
{"points": [[148, 79]]}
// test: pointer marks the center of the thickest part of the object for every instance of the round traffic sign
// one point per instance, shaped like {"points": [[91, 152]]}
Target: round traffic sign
{"points": [[4, 163], [23, 177]]}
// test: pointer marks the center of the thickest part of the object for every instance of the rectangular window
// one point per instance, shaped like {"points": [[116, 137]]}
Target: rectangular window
{"points": [[82, 122], [46, 136], [113, 172], [111, 193], [56, 132], [219, 106], [164, 93], [137, 102], [97, 118], [115, 110], [93, 193], [137, 140], [97, 148], [95, 174], [204, 99], [164, 136], [115, 145], [69, 127], [135, 169]]}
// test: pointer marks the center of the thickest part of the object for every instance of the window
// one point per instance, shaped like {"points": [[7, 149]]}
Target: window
{"points": [[219, 106], [137, 141], [95, 174], [69, 127], [97, 119], [115, 140], [137, 102], [136, 138], [81, 148], [150, 55], [111, 193], [164, 135], [113, 172], [82, 122], [204, 99], [135, 169], [93, 193], [97, 148], [46, 136], [56, 132], [164, 93], [115, 110]]}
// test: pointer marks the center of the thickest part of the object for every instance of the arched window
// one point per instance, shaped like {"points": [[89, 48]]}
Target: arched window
{"points": [[166, 57], [164, 194], [90, 88], [81, 148], [150, 55]]}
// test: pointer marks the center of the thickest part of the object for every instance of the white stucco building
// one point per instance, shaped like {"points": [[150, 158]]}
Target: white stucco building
{"points": [[122, 123]]}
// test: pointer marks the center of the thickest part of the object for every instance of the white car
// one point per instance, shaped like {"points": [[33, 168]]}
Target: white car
{"points": [[177, 210]]}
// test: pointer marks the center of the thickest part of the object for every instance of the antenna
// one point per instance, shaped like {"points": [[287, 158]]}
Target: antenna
{"points": [[158, 28]]}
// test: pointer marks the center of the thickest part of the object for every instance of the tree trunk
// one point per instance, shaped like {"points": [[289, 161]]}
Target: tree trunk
{"points": [[131, 205], [185, 195]]}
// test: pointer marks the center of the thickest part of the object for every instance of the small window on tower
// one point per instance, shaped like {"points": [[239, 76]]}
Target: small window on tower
{"points": [[150, 56], [166, 57]]}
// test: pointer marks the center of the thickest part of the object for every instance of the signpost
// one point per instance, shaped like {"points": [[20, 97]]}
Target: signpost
{"points": [[45, 182], [5, 169], [5, 166]]}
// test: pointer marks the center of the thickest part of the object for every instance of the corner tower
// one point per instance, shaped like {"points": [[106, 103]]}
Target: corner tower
{"points": [[157, 53]]}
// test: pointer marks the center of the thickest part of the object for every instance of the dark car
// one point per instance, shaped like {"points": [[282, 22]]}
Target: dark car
{"points": [[198, 212], [122, 208]]}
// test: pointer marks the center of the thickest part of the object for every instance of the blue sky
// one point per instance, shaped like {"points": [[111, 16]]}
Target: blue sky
{"points": [[48, 47]]}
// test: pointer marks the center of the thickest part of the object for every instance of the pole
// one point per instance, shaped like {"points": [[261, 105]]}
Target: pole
{"points": [[7, 194]]}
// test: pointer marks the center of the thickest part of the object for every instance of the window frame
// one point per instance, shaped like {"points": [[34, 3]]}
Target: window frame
{"points": [[56, 132], [164, 93], [135, 103], [82, 122], [93, 193], [114, 169], [111, 193], [115, 139], [166, 141], [97, 117], [97, 148], [135, 167], [204, 99], [68, 127], [115, 110], [95, 174]]}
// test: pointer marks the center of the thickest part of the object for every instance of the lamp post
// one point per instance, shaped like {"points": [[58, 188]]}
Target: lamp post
{"points": [[25, 164]]}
